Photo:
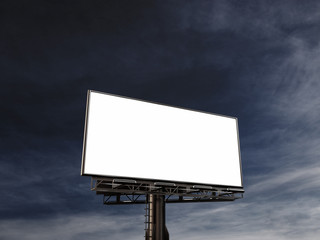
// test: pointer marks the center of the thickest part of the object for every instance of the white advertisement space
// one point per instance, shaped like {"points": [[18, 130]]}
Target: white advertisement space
{"points": [[136, 139]]}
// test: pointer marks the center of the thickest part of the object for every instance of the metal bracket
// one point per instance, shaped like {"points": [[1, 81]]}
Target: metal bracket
{"points": [[127, 191]]}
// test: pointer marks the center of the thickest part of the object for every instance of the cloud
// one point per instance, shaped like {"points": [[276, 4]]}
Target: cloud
{"points": [[280, 159], [71, 227], [247, 219], [259, 60]]}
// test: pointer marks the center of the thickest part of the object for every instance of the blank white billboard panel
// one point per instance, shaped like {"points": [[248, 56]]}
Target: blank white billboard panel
{"points": [[136, 139]]}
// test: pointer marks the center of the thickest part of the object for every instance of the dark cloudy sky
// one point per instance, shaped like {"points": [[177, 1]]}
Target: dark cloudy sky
{"points": [[255, 60]]}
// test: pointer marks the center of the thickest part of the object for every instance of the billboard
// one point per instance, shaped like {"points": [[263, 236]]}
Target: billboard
{"points": [[136, 139]]}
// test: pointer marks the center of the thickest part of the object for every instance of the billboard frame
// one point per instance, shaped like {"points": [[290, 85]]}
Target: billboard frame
{"points": [[151, 180], [130, 191]]}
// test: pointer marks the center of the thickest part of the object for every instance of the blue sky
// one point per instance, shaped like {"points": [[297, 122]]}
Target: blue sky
{"points": [[255, 60]]}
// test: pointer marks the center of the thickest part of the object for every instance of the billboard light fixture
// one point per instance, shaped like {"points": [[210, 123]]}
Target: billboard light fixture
{"points": [[125, 181], [164, 184], [202, 187], [235, 190]]}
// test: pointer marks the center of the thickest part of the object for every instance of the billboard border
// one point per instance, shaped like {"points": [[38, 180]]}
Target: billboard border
{"points": [[239, 152], [149, 179], [84, 145], [153, 180], [162, 104]]}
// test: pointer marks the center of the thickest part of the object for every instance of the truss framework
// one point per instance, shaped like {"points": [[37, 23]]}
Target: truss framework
{"points": [[129, 191]]}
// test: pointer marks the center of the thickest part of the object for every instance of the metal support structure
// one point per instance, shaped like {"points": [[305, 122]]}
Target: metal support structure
{"points": [[121, 191], [149, 221], [161, 232], [156, 218], [155, 195]]}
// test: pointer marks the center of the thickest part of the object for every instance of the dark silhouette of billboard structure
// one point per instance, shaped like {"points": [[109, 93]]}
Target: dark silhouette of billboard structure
{"points": [[155, 195], [117, 185]]}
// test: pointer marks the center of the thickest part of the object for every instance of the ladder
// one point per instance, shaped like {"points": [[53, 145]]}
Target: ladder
{"points": [[149, 221]]}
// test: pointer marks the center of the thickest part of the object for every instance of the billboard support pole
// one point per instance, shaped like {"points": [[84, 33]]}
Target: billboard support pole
{"points": [[156, 218]]}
